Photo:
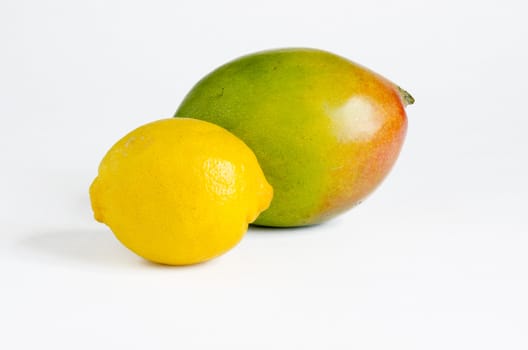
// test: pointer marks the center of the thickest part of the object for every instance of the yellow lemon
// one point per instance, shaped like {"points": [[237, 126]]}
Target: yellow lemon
{"points": [[179, 191]]}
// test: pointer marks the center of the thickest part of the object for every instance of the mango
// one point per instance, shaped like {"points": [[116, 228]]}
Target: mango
{"points": [[326, 131]]}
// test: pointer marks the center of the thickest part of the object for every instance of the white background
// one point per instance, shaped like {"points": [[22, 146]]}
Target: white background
{"points": [[437, 258]]}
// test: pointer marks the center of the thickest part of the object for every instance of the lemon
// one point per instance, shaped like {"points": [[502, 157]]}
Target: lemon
{"points": [[179, 191]]}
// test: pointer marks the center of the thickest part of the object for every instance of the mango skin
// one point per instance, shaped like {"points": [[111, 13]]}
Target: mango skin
{"points": [[326, 131]]}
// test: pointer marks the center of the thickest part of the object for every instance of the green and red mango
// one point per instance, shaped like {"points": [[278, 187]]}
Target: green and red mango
{"points": [[326, 131]]}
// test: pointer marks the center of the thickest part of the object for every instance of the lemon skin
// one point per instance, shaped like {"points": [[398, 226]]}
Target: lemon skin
{"points": [[179, 191]]}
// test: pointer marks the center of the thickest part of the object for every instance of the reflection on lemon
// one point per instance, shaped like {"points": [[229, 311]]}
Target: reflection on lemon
{"points": [[179, 191]]}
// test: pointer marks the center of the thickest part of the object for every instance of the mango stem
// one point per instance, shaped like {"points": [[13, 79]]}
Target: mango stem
{"points": [[406, 97]]}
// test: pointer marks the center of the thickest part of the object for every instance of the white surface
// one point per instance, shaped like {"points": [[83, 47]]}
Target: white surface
{"points": [[435, 259]]}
